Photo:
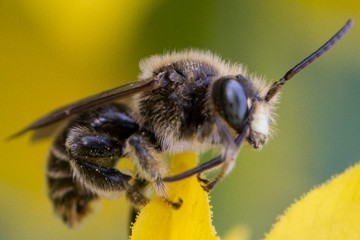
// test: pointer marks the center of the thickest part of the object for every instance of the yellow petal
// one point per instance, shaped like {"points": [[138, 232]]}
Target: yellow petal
{"points": [[158, 220], [331, 211]]}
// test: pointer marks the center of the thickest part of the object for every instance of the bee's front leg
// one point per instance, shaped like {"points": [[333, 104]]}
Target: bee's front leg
{"points": [[225, 161]]}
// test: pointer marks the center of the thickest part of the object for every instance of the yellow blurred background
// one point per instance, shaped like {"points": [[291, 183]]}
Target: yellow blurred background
{"points": [[55, 52]]}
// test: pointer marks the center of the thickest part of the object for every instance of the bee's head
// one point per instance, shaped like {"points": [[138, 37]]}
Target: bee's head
{"points": [[238, 103]]}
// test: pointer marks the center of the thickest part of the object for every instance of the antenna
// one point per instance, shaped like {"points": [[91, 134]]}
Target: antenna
{"points": [[323, 49]]}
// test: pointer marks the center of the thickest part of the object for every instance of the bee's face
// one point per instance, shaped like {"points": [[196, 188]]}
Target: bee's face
{"points": [[238, 102]]}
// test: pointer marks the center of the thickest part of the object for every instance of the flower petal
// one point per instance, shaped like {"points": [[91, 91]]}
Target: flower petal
{"points": [[158, 220], [331, 211]]}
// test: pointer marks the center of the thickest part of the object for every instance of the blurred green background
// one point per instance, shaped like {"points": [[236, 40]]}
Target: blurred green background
{"points": [[55, 52]]}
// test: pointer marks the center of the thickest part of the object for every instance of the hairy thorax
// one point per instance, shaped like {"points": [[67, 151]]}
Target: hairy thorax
{"points": [[178, 113]]}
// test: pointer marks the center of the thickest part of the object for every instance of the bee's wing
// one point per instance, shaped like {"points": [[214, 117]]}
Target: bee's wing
{"points": [[121, 92]]}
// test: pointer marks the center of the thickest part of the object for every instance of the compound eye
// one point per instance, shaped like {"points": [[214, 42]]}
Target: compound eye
{"points": [[231, 102]]}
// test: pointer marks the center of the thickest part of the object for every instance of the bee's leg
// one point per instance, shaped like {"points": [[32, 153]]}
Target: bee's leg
{"points": [[92, 157], [105, 181], [207, 166], [228, 157], [212, 164], [150, 166]]}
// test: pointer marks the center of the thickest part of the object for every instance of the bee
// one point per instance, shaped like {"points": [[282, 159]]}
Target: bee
{"points": [[183, 101]]}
